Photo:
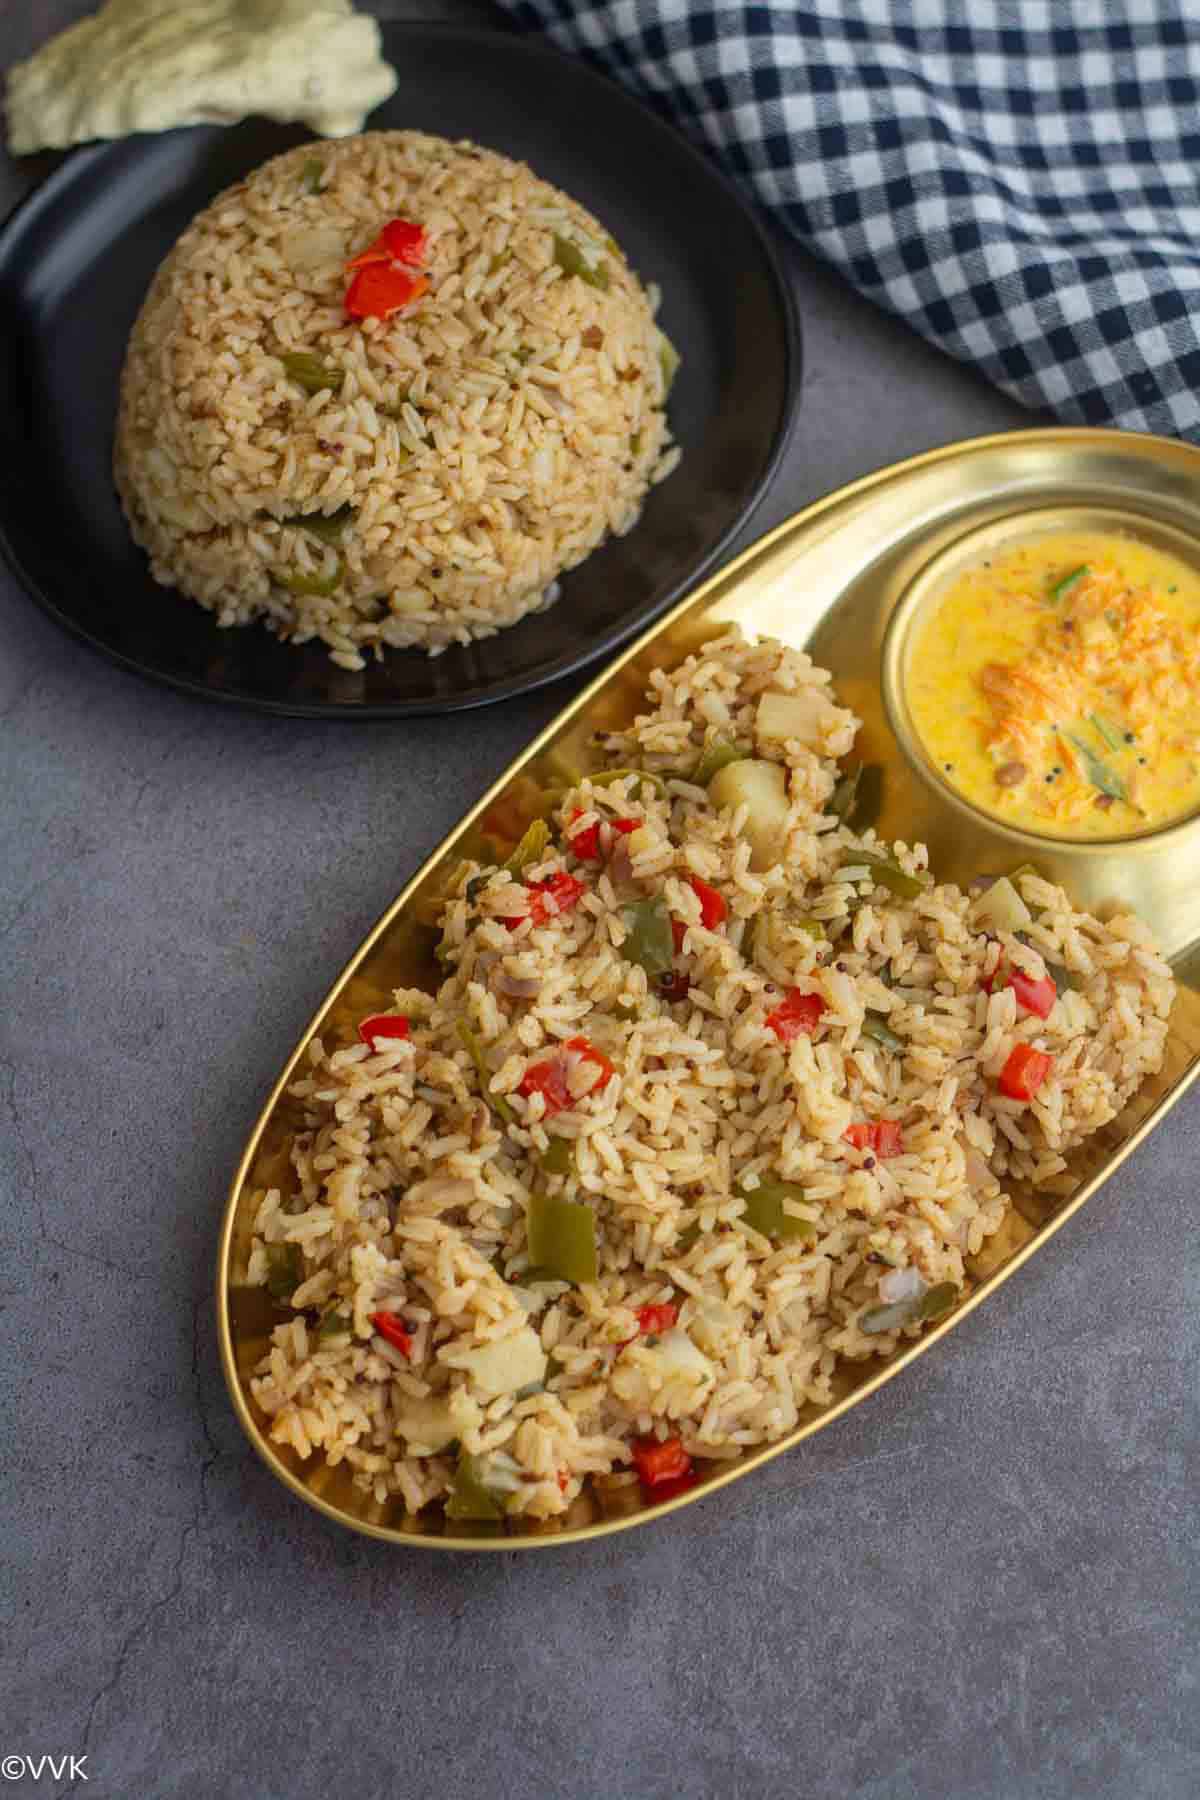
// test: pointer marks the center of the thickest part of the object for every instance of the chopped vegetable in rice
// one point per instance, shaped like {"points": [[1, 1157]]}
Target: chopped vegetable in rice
{"points": [[717, 1091]]}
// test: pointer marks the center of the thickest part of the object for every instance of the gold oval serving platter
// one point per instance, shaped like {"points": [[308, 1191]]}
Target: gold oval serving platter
{"points": [[844, 579]]}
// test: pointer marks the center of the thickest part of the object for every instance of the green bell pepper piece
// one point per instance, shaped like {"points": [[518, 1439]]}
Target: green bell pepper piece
{"points": [[763, 1211], [311, 373], [916, 1309], [857, 798], [531, 844], [558, 1158], [334, 1324], [474, 1050], [649, 941], [285, 1270], [470, 1498], [326, 526], [562, 1238], [887, 873], [604, 776], [572, 261], [320, 585], [875, 1026], [715, 756]]}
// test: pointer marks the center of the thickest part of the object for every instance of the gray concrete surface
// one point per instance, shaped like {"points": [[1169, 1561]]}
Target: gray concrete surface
{"points": [[981, 1583]]}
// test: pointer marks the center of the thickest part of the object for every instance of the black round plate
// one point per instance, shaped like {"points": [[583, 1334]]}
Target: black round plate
{"points": [[76, 259]]}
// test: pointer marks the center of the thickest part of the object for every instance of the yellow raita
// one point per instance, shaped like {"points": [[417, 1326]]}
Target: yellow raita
{"points": [[1057, 685]]}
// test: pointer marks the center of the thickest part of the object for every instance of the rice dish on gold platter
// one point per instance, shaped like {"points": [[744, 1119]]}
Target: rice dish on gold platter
{"points": [[718, 1092]]}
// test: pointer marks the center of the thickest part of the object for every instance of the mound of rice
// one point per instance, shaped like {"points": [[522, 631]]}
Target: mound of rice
{"points": [[468, 450], [413, 1181]]}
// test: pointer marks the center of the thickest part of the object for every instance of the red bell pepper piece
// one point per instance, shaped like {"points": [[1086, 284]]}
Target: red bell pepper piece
{"points": [[390, 1326], [713, 910], [679, 1484], [678, 933], [381, 283], [1024, 1072], [658, 1318], [883, 1138], [549, 898], [1033, 996], [889, 1139], [558, 895], [380, 289], [399, 241], [381, 1026], [657, 1462], [549, 1078], [588, 1052], [798, 1013], [586, 843]]}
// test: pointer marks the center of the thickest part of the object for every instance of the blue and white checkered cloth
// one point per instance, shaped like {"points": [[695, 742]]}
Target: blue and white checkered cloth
{"points": [[1018, 179]]}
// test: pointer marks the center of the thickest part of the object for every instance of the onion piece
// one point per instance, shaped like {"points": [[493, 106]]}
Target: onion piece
{"points": [[1000, 908], [761, 787], [620, 869], [806, 717], [516, 987], [900, 1284], [979, 1176], [501, 1365]]}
